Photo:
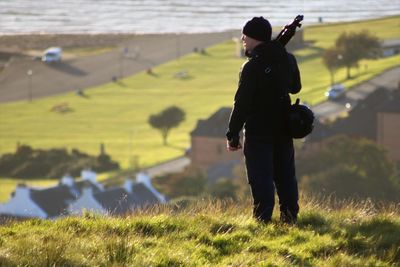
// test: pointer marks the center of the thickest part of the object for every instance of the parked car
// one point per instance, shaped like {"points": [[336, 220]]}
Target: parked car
{"points": [[335, 91], [52, 54]]}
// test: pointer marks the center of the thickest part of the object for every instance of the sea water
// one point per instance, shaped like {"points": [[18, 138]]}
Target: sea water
{"points": [[166, 16]]}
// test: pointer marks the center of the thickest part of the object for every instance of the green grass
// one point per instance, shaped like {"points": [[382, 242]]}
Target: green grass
{"points": [[324, 35], [116, 113], [87, 51], [208, 233]]}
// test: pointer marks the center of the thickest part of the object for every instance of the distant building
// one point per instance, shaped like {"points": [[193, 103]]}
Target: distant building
{"points": [[118, 200], [144, 180], [112, 201], [89, 179], [22, 203], [49, 202], [377, 118], [73, 197], [208, 141], [390, 47]]}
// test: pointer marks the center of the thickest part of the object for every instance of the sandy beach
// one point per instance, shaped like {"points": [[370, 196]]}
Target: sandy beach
{"points": [[19, 43], [41, 41]]}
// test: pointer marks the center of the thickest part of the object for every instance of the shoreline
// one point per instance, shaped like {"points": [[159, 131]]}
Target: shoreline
{"points": [[21, 42]]}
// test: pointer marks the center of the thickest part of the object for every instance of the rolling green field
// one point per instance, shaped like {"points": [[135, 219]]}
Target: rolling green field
{"points": [[116, 114], [209, 233]]}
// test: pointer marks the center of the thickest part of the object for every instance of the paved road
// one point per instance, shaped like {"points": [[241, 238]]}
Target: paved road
{"points": [[69, 75], [331, 109], [172, 166]]}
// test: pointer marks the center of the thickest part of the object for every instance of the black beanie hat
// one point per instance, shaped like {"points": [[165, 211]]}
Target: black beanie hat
{"points": [[258, 28]]}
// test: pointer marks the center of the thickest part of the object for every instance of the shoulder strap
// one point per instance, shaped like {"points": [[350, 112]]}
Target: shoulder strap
{"points": [[294, 75]]}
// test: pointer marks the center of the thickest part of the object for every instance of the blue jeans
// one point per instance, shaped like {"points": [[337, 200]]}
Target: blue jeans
{"points": [[270, 165]]}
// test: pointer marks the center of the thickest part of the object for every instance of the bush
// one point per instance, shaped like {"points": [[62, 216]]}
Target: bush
{"points": [[223, 188], [36, 163], [191, 182], [350, 168]]}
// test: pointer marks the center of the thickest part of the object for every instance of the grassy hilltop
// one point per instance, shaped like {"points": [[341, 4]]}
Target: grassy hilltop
{"points": [[209, 233]]}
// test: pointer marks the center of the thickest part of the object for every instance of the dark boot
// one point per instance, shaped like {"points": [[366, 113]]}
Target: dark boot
{"points": [[288, 218]]}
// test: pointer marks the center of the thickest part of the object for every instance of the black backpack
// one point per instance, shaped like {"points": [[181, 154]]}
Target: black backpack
{"points": [[300, 120]]}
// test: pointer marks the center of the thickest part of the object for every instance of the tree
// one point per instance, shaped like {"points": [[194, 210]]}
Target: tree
{"points": [[166, 120], [223, 188], [190, 182], [56, 162], [332, 60], [350, 167], [355, 46]]}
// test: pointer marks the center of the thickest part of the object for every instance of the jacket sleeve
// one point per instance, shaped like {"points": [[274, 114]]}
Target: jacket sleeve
{"points": [[295, 81], [243, 101]]}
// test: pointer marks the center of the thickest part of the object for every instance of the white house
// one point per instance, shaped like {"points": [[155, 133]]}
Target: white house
{"points": [[90, 176], [88, 202], [41, 203], [48, 202], [113, 201], [21, 204], [73, 197], [76, 187], [118, 200], [144, 178]]}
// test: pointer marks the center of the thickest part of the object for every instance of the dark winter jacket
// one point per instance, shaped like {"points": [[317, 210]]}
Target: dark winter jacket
{"points": [[262, 98]]}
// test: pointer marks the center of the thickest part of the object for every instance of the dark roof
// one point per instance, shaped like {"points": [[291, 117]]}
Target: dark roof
{"points": [[80, 185], [54, 201], [392, 104], [116, 200], [362, 119], [143, 196], [214, 126]]}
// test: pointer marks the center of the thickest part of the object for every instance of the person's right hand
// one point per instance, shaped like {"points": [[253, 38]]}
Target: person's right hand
{"points": [[231, 148]]}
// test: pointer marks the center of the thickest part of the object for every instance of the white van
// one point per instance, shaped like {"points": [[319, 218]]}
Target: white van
{"points": [[52, 54]]}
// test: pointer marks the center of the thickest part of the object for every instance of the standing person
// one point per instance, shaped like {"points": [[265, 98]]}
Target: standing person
{"points": [[261, 106]]}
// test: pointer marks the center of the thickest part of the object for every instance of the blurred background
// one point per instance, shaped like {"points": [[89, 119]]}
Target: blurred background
{"points": [[111, 94]]}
